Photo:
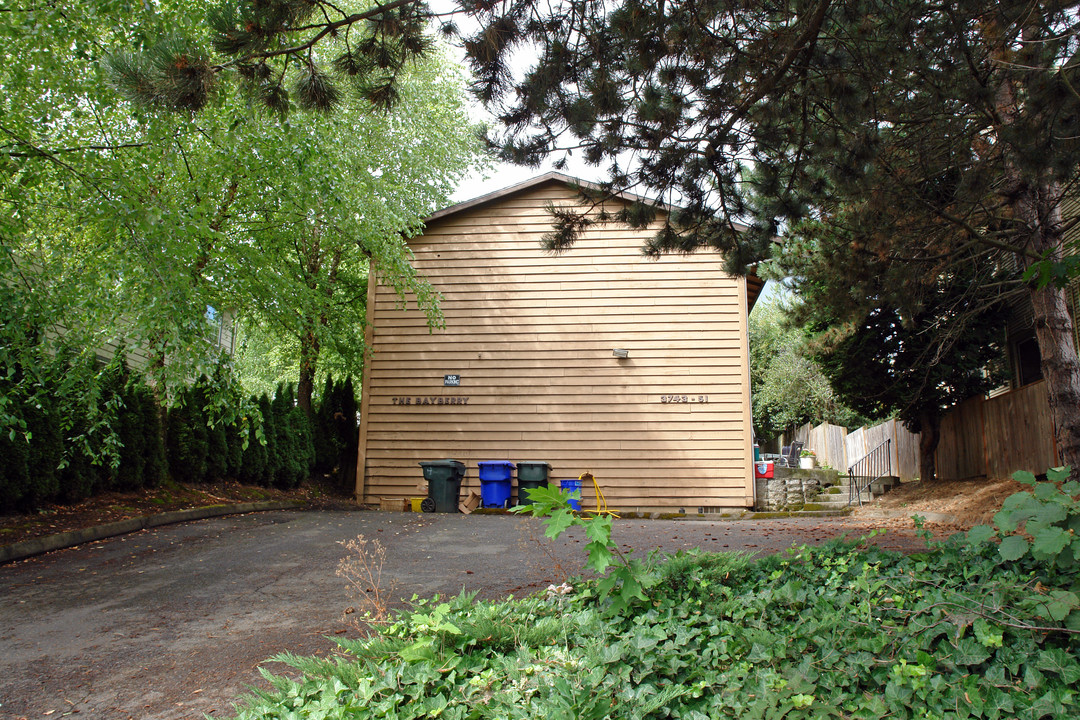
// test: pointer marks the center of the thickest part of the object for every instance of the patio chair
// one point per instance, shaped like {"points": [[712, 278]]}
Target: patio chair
{"points": [[790, 454]]}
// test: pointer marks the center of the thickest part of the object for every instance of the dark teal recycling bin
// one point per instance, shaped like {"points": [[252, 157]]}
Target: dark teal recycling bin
{"points": [[496, 482], [444, 483], [531, 474]]}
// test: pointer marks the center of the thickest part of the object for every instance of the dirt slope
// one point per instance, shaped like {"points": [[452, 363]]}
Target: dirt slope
{"points": [[971, 502]]}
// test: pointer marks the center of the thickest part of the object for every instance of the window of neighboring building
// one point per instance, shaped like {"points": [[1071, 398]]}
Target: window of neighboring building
{"points": [[1027, 361]]}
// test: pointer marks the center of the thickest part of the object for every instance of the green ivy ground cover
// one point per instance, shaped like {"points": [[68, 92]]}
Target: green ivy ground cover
{"points": [[967, 629]]}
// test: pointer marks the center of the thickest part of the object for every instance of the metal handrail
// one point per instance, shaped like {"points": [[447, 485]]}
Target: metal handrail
{"points": [[870, 468]]}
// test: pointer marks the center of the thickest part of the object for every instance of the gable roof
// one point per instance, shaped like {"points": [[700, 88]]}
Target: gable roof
{"points": [[754, 284]]}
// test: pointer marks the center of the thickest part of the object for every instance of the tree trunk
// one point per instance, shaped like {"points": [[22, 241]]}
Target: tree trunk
{"points": [[1061, 369], [309, 362], [311, 264], [1038, 206], [1035, 201], [929, 436]]}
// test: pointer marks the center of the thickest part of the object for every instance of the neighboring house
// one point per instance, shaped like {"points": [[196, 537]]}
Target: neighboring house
{"points": [[222, 336], [527, 368]]}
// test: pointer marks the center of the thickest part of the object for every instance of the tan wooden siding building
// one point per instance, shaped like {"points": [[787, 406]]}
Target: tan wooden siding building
{"points": [[531, 340]]}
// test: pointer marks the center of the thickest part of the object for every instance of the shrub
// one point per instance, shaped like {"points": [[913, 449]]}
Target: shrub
{"points": [[253, 460], [134, 438], [335, 432], [14, 471], [300, 430], [325, 440], [188, 440], [293, 434], [270, 435], [234, 449], [156, 467]]}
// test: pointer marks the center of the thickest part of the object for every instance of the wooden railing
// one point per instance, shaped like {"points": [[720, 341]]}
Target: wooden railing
{"points": [[873, 466]]}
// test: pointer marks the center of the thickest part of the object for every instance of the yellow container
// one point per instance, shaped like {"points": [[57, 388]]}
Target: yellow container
{"points": [[416, 504]]}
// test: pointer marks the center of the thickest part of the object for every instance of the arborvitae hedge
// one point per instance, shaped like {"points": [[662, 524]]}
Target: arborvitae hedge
{"points": [[188, 439], [187, 450], [253, 460], [273, 456], [234, 449], [325, 439], [156, 467]]}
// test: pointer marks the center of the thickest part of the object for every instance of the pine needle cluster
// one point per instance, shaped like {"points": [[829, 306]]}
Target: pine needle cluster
{"points": [[173, 73], [282, 53]]}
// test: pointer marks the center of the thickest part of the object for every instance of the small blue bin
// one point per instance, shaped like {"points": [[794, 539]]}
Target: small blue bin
{"points": [[572, 486], [495, 483]]}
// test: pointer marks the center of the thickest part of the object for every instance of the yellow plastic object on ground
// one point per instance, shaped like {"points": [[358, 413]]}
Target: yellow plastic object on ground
{"points": [[601, 501], [415, 502]]}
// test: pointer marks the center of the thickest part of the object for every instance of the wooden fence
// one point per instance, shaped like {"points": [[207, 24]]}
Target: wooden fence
{"points": [[994, 437], [827, 442], [839, 449]]}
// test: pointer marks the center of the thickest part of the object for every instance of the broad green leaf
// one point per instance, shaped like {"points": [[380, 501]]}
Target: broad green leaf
{"points": [[558, 521], [1049, 542], [1013, 547], [970, 651], [599, 556], [1059, 661], [1050, 513], [598, 529], [980, 534], [989, 635], [1024, 476], [997, 704], [419, 651], [1044, 491], [1058, 474], [1059, 604]]}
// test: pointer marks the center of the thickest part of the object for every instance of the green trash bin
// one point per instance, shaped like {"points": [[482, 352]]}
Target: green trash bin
{"points": [[531, 474], [444, 483]]}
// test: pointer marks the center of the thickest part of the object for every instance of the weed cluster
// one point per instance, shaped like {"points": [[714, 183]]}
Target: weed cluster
{"points": [[361, 568]]}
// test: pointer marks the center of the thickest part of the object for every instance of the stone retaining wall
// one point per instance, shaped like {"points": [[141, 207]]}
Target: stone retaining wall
{"points": [[791, 487]]}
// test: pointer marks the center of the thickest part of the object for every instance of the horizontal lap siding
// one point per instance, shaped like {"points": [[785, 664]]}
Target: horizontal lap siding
{"points": [[532, 335]]}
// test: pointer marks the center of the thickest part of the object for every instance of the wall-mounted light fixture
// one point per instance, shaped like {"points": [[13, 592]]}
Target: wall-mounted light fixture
{"points": [[620, 353]]}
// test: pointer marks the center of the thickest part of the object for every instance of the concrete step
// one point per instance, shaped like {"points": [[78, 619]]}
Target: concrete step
{"points": [[834, 505], [845, 492], [841, 498]]}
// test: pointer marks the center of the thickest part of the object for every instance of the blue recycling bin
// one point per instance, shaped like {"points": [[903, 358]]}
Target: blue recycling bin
{"points": [[496, 482], [572, 486]]}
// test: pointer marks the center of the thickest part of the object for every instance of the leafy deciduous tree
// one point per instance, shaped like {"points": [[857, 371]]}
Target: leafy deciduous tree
{"points": [[788, 389]]}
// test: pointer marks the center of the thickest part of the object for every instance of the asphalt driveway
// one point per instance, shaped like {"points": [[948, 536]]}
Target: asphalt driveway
{"points": [[174, 622]]}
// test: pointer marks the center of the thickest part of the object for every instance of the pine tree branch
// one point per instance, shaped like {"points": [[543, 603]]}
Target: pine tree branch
{"points": [[327, 29], [765, 86]]}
